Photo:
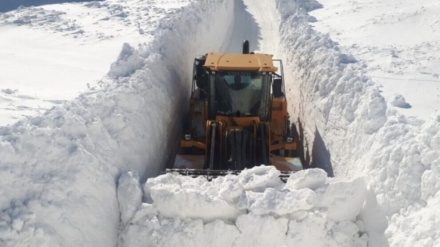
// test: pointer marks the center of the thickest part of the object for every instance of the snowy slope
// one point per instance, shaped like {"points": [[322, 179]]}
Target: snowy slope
{"points": [[53, 53], [399, 41], [64, 173], [396, 46]]}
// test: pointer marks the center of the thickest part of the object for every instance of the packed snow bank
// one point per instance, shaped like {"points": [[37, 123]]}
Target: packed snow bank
{"points": [[336, 104], [340, 107], [58, 170], [404, 174], [253, 208]]}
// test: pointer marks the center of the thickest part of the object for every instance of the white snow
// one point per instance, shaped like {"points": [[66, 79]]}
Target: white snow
{"points": [[399, 41], [197, 212], [52, 53], [91, 96]]}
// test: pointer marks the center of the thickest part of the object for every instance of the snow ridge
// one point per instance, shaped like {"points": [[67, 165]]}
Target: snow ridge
{"points": [[335, 100]]}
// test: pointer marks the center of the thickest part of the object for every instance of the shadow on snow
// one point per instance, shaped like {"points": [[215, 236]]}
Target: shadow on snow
{"points": [[316, 157]]}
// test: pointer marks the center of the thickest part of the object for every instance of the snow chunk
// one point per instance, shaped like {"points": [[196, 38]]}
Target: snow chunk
{"points": [[310, 178], [260, 177], [230, 188], [343, 200], [346, 59], [312, 211], [399, 101], [128, 62], [186, 197]]}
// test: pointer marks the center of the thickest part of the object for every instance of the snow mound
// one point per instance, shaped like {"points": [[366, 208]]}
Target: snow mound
{"points": [[187, 211], [399, 101]]}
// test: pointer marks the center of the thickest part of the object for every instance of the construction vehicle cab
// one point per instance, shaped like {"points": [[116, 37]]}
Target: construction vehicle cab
{"points": [[238, 116]]}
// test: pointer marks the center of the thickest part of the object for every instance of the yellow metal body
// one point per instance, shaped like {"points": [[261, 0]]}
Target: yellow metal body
{"points": [[276, 126], [217, 61]]}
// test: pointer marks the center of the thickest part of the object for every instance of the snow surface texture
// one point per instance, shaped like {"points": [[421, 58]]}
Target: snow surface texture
{"points": [[252, 209], [399, 41], [59, 170], [342, 112], [52, 53]]}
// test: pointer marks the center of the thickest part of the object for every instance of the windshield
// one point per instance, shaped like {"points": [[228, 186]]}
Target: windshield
{"points": [[240, 93]]}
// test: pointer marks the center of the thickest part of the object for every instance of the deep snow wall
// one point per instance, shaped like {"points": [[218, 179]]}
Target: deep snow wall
{"points": [[167, 63], [161, 72], [339, 110], [345, 122], [328, 93], [60, 167]]}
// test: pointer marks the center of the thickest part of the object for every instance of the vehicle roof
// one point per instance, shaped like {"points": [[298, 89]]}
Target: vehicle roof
{"points": [[217, 61]]}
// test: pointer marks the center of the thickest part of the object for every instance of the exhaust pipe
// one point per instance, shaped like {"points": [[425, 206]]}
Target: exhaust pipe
{"points": [[246, 47]]}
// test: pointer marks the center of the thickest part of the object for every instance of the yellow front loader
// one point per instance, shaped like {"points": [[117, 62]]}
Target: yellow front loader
{"points": [[237, 117]]}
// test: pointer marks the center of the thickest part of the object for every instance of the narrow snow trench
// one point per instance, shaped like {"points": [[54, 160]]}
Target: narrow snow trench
{"points": [[312, 150], [267, 18], [223, 31], [254, 208], [258, 22]]}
